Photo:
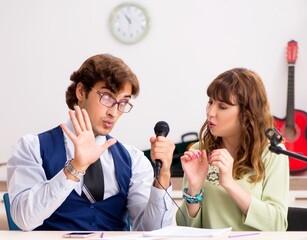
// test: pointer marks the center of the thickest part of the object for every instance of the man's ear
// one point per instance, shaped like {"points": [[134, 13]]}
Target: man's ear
{"points": [[80, 92]]}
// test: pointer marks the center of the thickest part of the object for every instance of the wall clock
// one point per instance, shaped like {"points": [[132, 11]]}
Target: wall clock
{"points": [[129, 23]]}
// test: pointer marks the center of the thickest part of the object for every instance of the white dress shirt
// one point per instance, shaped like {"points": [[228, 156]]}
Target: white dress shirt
{"points": [[34, 198]]}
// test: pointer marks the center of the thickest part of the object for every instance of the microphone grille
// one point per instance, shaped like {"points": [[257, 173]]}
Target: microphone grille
{"points": [[161, 128]]}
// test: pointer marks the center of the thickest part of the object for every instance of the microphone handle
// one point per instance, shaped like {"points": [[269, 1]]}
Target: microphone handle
{"points": [[158, 168], [161, 129]]}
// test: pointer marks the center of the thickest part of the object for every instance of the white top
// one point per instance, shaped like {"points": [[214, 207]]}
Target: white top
{"points": [[34, 198]]}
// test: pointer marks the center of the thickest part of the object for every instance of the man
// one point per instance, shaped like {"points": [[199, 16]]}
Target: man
{"points": [[49, 174]]}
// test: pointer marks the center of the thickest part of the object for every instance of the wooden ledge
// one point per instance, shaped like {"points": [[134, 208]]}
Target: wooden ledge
{"points": [[296, 183], [3, 186]]}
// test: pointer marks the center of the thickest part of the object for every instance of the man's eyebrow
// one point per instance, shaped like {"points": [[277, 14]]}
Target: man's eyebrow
{"points": [[125, 96]]}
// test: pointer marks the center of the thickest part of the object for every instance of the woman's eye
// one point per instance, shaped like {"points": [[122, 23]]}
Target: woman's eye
{"points": [[222, 107]]}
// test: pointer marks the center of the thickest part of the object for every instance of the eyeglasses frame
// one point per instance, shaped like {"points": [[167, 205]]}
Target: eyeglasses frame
{"points": [[114, 103]]}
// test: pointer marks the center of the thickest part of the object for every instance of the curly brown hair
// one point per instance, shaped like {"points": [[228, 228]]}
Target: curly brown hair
{"points": [[102, 67], [255, 118]]}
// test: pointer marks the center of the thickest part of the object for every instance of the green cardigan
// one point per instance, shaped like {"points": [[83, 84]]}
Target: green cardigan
{"points": [[268, 207]]}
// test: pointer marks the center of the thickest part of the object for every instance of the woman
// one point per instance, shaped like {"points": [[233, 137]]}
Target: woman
{"points": [[231, 179]]}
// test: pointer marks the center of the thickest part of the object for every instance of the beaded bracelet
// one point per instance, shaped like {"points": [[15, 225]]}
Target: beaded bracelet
{"points": [[190, 199]]}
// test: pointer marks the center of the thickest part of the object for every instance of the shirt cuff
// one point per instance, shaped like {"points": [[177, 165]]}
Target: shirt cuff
{"points": [[61, 186], [158, 194]]}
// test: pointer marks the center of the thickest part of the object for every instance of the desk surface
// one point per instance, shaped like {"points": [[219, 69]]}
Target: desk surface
{"points": [[58, 235]]}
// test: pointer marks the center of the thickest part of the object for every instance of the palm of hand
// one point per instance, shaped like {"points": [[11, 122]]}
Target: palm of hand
{"points": [[86, 148], [195, 170]]}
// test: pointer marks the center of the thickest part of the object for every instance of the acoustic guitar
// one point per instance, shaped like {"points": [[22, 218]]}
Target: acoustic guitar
{"points": [[294, 126]]}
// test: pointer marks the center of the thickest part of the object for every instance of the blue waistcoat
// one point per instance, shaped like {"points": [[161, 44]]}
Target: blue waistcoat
{"points": [[77, 213]]}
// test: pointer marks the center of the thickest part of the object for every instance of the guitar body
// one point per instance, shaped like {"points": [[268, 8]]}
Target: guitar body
{"points": [[296, 139], [294, 127]]}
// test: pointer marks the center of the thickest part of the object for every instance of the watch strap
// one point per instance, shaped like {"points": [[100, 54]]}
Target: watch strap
{"points": [[73, 171]]}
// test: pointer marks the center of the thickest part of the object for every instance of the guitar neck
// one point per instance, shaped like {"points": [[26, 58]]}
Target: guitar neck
{"points": [[290, 97]]}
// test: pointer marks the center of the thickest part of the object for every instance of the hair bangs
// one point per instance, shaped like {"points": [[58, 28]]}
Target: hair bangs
{"points": [[220, 90]]}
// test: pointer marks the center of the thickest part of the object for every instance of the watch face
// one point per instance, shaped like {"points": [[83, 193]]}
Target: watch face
{"points": [[129, 23]]}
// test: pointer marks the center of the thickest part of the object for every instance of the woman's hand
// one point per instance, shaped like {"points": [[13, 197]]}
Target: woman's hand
{"points": [[195, 166], [222, 159]]}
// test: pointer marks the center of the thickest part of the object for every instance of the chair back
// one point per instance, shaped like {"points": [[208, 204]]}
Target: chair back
{"points": [[297, 219], [11, 224]]}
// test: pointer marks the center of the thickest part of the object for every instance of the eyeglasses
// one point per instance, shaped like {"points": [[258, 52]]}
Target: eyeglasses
{"points": [[107, 100]]}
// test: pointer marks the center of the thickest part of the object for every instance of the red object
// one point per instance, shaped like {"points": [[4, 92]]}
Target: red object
{"points": [[294, 126]]}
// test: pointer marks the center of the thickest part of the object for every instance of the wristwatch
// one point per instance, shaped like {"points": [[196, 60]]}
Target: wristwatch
{"points": [[73, 171]]}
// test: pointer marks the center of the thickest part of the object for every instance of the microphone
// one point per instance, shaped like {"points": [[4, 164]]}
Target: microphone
{"points": [[161, 129], [275, 138]]}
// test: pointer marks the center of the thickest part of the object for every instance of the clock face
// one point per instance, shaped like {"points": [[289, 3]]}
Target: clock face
{"points": [[129, 23]]}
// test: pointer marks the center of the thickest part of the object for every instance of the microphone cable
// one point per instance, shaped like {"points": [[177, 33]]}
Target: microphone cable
{"points": [[162, 129], [185, 221]]}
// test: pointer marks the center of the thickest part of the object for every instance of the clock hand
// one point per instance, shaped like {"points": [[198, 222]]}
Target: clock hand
{"points": [[128, 19]]}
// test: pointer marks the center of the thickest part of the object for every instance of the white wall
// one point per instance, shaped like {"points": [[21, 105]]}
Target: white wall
{"points": [[190, 42]]}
